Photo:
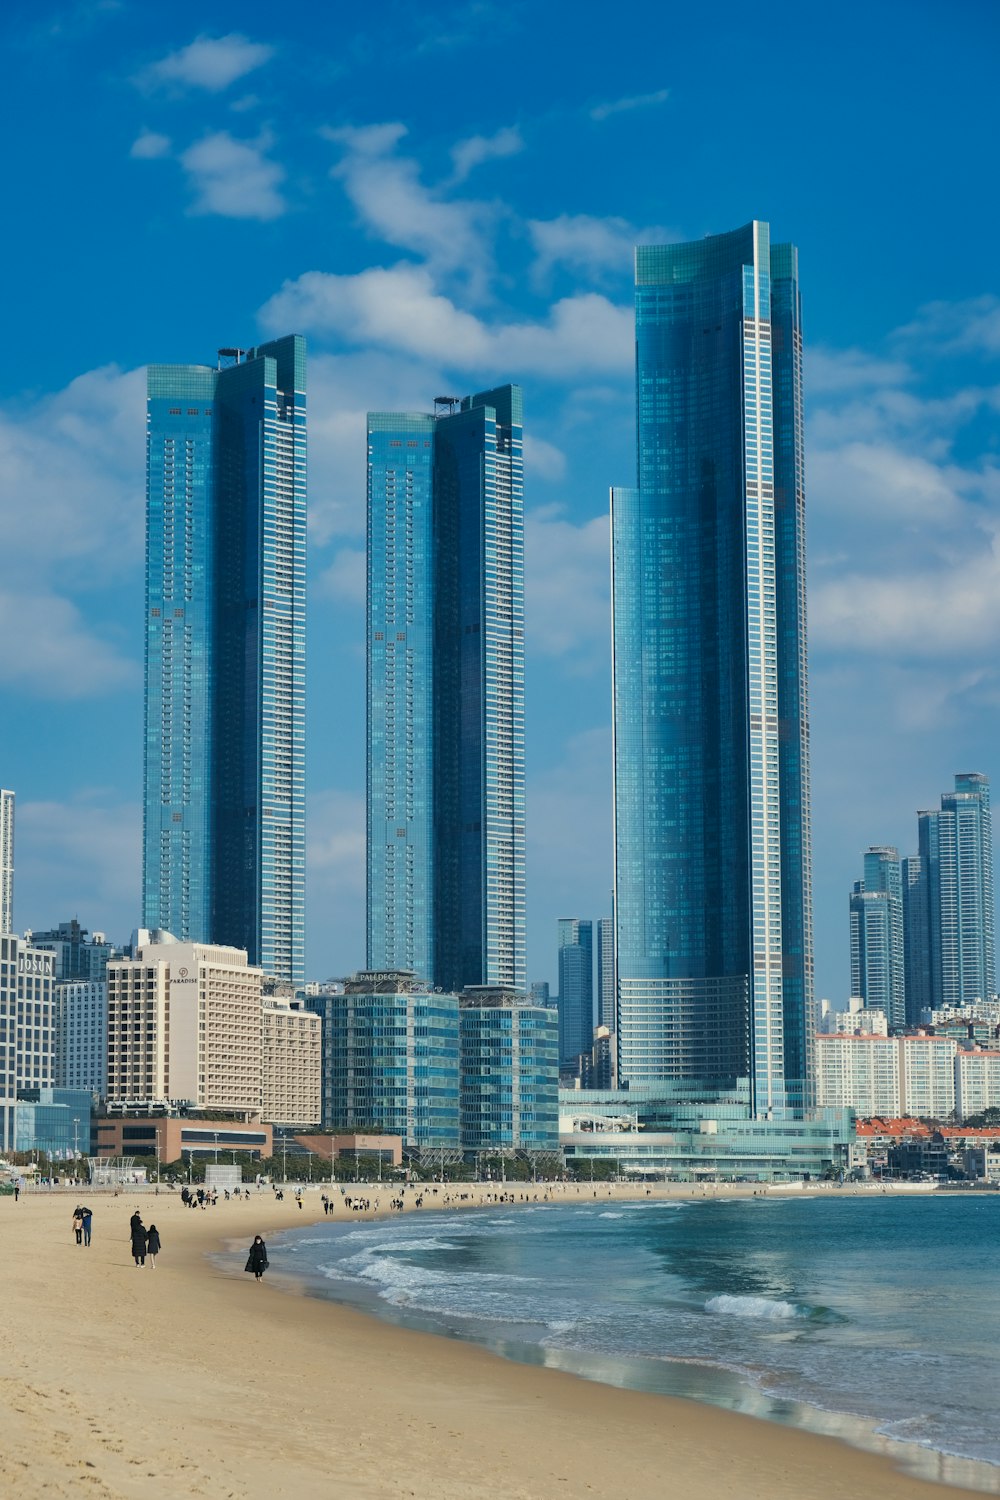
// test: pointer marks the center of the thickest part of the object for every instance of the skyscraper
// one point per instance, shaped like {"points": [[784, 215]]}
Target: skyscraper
{"points": [[712, 879], [446, 692], [6, 861], [607, 1002], [876, 907], [576, 988], [223, 850], [955, 895]]}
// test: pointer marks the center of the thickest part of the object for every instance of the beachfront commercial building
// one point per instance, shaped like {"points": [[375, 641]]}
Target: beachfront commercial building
{"points": [[170, 1138], [54, 1121], [446, 692], [6, 861], [27, 981], [224, 782], [391, 1060], [291, 1062], [184, 1026], [509, 1073], [712, 845]]}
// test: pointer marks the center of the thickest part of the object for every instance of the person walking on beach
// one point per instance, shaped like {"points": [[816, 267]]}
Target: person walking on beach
{"points": [[257, 1259], [152, 1244], [88, 1218], [138, 1233], [78, 1225]]}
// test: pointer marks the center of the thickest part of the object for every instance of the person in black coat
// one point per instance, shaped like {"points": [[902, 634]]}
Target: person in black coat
{"points": [[257, 1259], [152, 1244], [138, 1232]]}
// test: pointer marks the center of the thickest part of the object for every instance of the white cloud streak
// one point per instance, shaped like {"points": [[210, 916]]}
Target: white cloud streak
{"points": [[150, 145], [209, 63], [472, 152], [630, 102], [234, 178]]}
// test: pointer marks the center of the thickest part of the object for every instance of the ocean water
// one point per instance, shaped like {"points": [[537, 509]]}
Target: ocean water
{"points": [[871, 1316]]}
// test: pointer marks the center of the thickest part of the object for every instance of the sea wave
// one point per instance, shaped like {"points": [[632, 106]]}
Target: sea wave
{"points": [[769, 1308]]}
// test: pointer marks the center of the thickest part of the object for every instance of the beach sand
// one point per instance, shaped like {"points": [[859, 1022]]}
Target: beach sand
{"points": [[185, 1381]]}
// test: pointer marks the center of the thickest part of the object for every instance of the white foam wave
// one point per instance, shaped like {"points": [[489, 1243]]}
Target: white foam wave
{"points": [[768, 1308], [610, 1216]]}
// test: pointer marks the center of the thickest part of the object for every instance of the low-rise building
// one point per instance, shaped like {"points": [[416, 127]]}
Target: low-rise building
{"points": [[168, 1138]]}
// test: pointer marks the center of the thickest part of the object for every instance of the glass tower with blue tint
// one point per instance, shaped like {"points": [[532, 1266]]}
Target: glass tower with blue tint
{"points": [[576, 988], [712, 878], [510, 1073], [876, 908], [224, 782], [952, 903], [446, 691]]}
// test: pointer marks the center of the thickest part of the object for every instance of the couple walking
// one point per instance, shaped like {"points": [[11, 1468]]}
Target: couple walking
{"points": [[82, 1221], [144, 1241]]}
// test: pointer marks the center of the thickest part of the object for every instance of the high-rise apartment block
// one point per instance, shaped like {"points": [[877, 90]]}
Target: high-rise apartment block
{"points": [[446, 692], [876, 907], [509, 1073], [79, 954], [291, 1079], [390, 1059], [951, 899], [184, 1025], [607, 993], [81, 1035], [27, 979], [6, 861], [576, 988], [712, 877], [223, 847]]}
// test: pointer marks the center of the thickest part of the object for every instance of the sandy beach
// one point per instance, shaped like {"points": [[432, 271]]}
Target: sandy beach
{"points": [[186, 1381]]}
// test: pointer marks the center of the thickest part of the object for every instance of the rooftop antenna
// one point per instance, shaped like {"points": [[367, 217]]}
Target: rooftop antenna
{"points": [[451, 402], [229, 357]]}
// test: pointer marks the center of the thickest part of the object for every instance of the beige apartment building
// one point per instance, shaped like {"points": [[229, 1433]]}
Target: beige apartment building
{"points": [[290, 1051], [184, 1024]]}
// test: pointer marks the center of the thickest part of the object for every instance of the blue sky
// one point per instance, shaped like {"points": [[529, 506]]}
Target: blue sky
{"points": [[443, 199]]}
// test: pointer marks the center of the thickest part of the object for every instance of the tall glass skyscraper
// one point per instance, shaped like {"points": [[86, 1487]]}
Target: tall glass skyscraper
{"points": [[446, 691], [712, 897], [576, 988], [224, 813], [952, 903], [876, 907]]}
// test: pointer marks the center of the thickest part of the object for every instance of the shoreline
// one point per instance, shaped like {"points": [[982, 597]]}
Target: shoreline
{"points": [[181, 1382]]}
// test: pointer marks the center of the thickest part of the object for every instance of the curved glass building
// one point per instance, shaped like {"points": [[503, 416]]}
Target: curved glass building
{"points": [[712, 881]]}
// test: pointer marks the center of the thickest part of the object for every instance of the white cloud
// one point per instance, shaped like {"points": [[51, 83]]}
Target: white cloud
{"points": [[567, 587], [583, 243], [53, 653], [234, 178], [80, 858], [841, 371], [472, 152], [543, 460], [335, 861], [345, 580], [398, 308], [395, 206], [149, 145], [631, 101], [971, 326], [72, 477], [210, 63]]}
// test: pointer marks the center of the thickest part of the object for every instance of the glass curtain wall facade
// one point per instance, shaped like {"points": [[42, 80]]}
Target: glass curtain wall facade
{"points": [[956, 911], [6, 861], [607, 1011], [713, 886], [446, 691], [224, 807], [876, 912], [510, 1075], [576, 988]]}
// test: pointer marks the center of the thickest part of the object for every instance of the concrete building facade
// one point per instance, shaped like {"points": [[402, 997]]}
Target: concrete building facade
{"points": [[291, 1062]]}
